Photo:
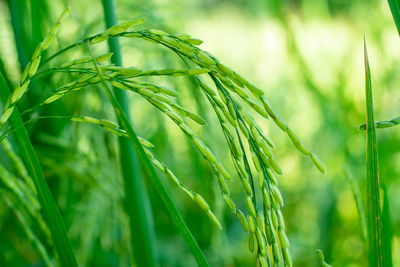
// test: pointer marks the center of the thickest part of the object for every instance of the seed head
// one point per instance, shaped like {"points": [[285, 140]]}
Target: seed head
{"points": [[252, 242], [252, 224], [122, 27], [283, 238], [6, 115], [99, 39], [64, 15], [222, 171], [242, 220], [318, 163], [53, 98], [202, 202], [261, 242], [172, 176], [247, 187], [230, 203], [223, 184], [19, 92], [214, 219], [287, 257], [263, 261], [266, 198], [206, 59]]}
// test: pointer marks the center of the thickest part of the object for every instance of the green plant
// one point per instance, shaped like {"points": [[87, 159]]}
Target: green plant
{"points": [[231, 98], [173, 127]]}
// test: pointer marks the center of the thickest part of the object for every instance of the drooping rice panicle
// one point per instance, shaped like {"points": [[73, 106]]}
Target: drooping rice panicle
{"points": [[115, 129], [232, 98], [165, 106], [206, 60], [174, 213], [193, 195], [259, 244], [30, 70]]}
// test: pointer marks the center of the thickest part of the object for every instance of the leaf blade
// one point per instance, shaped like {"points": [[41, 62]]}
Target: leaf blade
{"points": [[395, 9], [374, 225]]}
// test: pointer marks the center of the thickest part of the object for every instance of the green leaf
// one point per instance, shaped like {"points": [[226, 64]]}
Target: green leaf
{"points": [[52, 215], [374, 225], [395, 9]]}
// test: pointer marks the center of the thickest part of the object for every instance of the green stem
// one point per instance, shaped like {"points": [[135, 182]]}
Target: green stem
{"points": [[51, 213], [137, 202]]}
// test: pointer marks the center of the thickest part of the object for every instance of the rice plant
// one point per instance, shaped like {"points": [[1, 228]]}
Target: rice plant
{"points": [[232, 92], [111, 162]]}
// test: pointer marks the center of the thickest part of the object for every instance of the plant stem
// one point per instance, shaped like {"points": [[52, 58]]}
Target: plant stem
{"points": [[51, 213], [137, 202]]}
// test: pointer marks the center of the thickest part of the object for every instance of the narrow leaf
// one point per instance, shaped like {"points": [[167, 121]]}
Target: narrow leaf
{"points": [[374, 226], [395, 9]]}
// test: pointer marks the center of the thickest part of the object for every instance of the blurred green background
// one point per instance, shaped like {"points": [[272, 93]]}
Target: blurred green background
{"points": [[307, 55]]}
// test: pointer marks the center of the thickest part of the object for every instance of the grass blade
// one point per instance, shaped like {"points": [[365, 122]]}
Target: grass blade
{"points": [[16, 8], [38, 15], [374, 225], [173, 211], [395, 9], [137, 202], [52, 215]]}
